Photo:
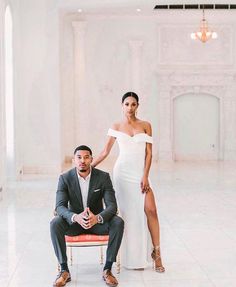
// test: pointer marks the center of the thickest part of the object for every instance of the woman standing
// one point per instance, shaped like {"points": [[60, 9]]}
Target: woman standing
{"points": [[131, 182]]}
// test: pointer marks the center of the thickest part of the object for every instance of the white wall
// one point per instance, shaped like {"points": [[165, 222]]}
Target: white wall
{"points": [[2, 150], [152, 54], [109, 50], [37, 87], [169, 63]]}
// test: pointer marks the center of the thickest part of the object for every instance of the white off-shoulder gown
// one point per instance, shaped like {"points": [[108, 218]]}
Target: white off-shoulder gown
{"points": [[127, 176]]}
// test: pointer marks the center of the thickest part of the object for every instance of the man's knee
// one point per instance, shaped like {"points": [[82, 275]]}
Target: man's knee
{"points": [[56, 223], [117, 222]]}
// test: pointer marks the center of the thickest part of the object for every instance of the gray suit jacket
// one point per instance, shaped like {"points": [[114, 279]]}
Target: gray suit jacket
{"points": [[69, 198]]}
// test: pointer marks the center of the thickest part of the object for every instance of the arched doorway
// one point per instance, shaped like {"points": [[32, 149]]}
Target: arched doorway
{"points": [[196, 127]]}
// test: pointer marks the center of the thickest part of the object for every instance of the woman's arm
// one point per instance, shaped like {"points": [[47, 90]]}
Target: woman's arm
{"points": [[148, 160], [105, 152]]}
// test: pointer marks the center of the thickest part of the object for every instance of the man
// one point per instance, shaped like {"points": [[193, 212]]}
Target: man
{"points": [[79, 207]]}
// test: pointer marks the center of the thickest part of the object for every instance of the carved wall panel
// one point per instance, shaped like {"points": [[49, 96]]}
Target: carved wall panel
{"points": [[218, 85], [177, 47]]}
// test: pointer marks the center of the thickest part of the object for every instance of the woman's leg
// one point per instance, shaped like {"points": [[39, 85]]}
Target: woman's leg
{"points": [[153, 226], [152, 218]]}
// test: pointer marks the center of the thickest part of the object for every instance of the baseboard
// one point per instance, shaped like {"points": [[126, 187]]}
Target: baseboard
{"points": [[45, 171]]}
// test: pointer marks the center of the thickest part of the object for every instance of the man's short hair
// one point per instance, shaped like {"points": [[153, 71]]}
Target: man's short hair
{"points": [[83, 147]]}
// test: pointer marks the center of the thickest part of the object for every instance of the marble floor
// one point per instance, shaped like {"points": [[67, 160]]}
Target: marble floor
{"points": [[197, 211]]}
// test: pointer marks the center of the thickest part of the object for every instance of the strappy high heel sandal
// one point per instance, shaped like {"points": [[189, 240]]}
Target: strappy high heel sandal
{"points": [[156, 256]]}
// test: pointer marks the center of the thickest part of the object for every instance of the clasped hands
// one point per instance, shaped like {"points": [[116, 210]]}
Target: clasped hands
{"points": [[86, 219]]}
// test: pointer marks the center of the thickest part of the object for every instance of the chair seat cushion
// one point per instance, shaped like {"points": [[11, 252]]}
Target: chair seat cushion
{"points": [[87, 238]]}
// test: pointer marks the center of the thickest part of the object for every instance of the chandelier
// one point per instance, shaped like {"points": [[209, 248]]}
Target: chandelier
{"points": [[204, 33]]}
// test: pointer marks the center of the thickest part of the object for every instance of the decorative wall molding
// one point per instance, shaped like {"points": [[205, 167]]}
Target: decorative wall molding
{"points": [[202, 78], [220, 85], [39, 170], [177, 48]]}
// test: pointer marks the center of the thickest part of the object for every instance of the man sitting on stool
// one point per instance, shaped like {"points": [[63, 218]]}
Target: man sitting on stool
{"points": [[79, 207]]}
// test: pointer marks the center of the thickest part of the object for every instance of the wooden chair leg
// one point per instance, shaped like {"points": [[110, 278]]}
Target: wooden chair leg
{"points": [[101, 255], [118, 263], [69, 249], [70, 256]]}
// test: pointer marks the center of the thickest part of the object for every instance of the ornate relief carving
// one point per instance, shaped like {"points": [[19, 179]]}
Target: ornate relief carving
{"points": [[177, 47], [220, 85]]}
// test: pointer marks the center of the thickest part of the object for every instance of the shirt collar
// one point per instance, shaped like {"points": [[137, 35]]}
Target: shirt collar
{"points": [[87, 177]]}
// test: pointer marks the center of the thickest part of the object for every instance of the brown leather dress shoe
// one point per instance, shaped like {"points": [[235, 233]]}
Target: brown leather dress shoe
{"points": [[62, 278], [109, 278]]}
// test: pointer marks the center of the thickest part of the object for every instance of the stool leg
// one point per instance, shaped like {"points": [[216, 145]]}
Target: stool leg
{"points": [[101, 255], [69, 249], [118, 263], [71, 256]]}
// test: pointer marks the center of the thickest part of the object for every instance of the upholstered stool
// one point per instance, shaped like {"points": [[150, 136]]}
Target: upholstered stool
{"points": [[89, 240]]}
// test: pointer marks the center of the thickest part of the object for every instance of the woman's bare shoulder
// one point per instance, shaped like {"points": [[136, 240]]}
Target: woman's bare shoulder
{"points": [[115, 126], [145, 124]]}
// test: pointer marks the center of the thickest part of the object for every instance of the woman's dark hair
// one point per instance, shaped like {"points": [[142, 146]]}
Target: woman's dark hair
{"points": [[83, 147], [130, 94]]}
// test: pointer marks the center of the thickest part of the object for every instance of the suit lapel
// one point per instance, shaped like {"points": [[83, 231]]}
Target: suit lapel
{"points": [[92, 185], [77, 188]]}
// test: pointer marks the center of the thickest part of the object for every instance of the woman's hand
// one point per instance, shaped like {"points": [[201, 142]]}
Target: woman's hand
{"points": [[145, 185]]}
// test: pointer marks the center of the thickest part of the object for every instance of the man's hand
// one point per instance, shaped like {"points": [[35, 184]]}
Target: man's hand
{"points": [[92, 218], [82, 219], [86, 219]]}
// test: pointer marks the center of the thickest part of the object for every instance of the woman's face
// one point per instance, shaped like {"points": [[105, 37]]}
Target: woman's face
{"points": [[130, 106]]}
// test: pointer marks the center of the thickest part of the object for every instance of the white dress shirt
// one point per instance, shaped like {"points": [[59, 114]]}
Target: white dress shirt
{"points": [[84, 187]]}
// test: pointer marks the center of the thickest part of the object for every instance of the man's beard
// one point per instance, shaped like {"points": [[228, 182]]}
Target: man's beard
{"points": [[82, 170]]}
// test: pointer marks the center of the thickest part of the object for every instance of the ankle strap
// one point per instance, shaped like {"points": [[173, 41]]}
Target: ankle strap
{"points": [[157, 247]]}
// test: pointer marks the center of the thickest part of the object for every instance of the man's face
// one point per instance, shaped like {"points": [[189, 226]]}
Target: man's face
{"points": [[82, 160]]}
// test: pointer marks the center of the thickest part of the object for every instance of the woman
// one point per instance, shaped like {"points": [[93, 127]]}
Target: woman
{"points": [[134, 193]]}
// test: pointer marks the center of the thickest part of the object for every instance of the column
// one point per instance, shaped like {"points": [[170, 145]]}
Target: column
{"points": [[79, 28], [230, 122], [136, 62], [2, 137], [165, 143]]}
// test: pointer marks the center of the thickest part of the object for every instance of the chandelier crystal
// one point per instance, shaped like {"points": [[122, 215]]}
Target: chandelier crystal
{"points": [[204, 33]]}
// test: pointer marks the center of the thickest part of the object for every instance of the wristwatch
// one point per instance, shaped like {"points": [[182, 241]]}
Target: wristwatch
{"points": [[99, 219]]}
